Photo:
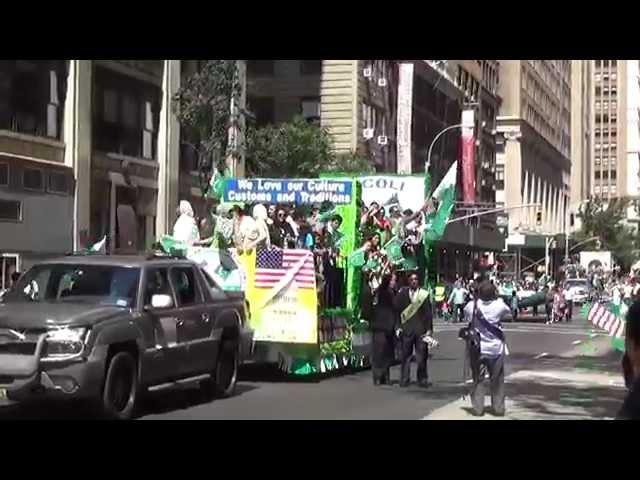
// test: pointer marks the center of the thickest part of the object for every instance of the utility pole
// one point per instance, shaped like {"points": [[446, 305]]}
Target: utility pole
{"points": [[235, 156]]}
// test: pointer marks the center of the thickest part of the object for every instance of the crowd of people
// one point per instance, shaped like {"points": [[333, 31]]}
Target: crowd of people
{"points": [[391, 238]]}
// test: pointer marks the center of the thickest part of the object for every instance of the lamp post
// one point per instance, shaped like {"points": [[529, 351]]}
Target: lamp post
{"points": [[451, 127]]}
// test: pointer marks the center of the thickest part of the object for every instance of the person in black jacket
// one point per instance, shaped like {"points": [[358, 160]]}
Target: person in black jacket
{"points": [[631, 365], [416, 321], [384, 323]]}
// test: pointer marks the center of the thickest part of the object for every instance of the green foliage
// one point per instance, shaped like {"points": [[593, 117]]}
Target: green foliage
{"points": [[607, 223], [349, 163], [297, 149], [202, 106], [294, 149]]}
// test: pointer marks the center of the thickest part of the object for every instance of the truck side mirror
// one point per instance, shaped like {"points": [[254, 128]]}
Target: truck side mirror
{"points": [[161, 302]]}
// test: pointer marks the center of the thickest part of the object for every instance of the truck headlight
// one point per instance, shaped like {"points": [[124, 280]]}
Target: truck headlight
{"points": [[64, 344]]}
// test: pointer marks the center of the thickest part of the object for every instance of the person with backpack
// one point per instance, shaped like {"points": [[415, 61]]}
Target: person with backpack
{"points": [[486, 347]]}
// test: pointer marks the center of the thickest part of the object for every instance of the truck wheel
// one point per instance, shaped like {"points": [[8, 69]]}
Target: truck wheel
{"points": [[226, 374], [120, 387]]}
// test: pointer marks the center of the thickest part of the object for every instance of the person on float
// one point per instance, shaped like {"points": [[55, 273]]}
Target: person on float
{"points": [[185, 229], [260, 215], [245, 230]]}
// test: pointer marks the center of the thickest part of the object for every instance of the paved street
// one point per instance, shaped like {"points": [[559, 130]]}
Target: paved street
{"points": [[553, 371]]}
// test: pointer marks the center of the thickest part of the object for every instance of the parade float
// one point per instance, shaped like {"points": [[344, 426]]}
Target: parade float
{"points": [[292, 325]]}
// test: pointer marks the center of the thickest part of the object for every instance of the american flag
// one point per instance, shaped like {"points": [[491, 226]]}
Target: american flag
{"points": [[602, 318], [273, 264]]}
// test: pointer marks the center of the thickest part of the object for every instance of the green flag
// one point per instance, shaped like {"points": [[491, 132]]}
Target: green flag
{"points": [[216, 185], [357, 259], [446, 196], [171, 246], [394, 251]]}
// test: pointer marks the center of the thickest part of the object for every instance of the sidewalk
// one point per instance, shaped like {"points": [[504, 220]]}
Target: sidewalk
{"points": [[578, 385]]}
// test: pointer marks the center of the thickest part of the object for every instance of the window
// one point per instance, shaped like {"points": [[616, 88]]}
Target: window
{"points": [[58, 183], [310, 67], [10, 210], [260, 68], [110, 106], [310, 108], [4, 174], [126, 114], [263, 108], [156, 283], [184, 284], [80, 283], [500, 177], [597, 160], [32, 179], [613, 175], [9, 263]]}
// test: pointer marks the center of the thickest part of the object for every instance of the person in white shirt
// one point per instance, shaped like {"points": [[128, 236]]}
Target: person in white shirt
{"points": [[185, 229], [458, 299], [485, 314], [568, 298]]}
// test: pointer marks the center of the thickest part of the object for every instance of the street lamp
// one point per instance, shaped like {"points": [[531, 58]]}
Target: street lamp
{"points": [[451, 127]]}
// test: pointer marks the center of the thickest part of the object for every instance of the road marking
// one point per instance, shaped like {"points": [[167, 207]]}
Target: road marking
{"points": [[576, 342]]}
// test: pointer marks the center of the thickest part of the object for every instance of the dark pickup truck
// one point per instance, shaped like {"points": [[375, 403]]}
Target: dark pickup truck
{"points": [[109, 328]]}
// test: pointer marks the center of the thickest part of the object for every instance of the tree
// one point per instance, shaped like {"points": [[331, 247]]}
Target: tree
{"points": [[608, 223], [202, 106], [297, 149]]}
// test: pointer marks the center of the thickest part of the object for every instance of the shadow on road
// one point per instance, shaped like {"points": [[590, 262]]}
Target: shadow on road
{"points": [[549, 399]]}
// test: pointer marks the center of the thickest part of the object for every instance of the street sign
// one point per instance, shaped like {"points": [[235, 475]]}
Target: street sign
{"points": [[516, 239]]}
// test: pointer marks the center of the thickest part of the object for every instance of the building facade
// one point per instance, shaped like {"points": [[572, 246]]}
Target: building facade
{"points": [[36, 184], [534, 151], [582, 122], [78, 140], [616, 147], [359, 104]]}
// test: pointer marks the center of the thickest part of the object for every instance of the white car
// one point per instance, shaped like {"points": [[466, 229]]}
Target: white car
{"points": [[579, 290]]}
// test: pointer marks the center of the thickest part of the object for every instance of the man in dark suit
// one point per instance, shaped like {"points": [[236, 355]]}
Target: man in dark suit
{"points": [[416, 319]]}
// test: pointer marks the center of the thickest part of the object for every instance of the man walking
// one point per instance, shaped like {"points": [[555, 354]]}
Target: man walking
{"points": [[485, 315], [458, 299], [416, 319]]}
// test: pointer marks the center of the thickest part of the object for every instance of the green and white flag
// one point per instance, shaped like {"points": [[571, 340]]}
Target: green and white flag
{"points": [[99, 247], [445, 194], [216, 185]]}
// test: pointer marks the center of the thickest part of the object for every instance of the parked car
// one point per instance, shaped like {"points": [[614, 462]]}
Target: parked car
{"points": [[109, 328], [580, 288]]}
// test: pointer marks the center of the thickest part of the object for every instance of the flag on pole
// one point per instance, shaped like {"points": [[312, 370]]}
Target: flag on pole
{"points": [[603, 318], [216, 185], [445, 194], [100, 247]]}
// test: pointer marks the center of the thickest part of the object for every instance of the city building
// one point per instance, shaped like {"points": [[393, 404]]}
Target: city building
{"points": [[534, 151], [355, 100], [359, 103], [616, 143], [78, 140], [36, 183], [582, 121]]}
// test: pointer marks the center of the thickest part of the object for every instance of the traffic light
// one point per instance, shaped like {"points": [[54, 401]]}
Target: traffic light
{"points": [[539, 218], [572, 220]]}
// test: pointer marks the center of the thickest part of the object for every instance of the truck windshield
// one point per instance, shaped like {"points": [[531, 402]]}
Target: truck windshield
{"points": [[77, 283]]}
